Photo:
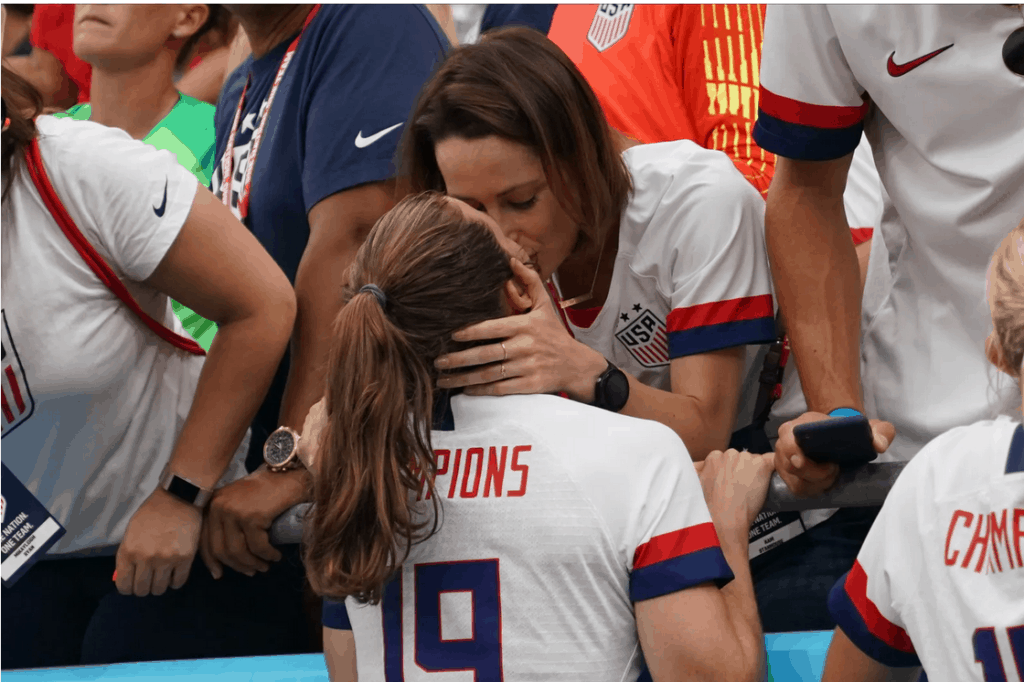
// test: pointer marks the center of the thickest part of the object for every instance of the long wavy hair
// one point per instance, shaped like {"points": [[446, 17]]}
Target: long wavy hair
{"points": [[518, 85], [21, 104], [439, 272]]}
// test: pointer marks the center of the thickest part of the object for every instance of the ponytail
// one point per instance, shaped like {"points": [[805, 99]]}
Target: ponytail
{"points": [[21, 104], [423, 273]]}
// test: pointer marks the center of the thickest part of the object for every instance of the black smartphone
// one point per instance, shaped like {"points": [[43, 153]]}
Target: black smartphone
{"points": [[845, 441]]}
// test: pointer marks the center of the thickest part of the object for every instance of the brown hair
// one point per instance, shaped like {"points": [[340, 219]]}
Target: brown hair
{"points": [[518, 85], [1007, 278], [219, 24], [21, 104], [439, 273]]}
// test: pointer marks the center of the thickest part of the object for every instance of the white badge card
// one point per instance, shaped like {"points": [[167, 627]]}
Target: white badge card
{"points": [[28, 529], [771, 530]]}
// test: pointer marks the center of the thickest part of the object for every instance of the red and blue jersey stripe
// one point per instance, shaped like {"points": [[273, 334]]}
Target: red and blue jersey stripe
{"points": [[722, 324], [807, 132], [865, 625], [675, 561]]}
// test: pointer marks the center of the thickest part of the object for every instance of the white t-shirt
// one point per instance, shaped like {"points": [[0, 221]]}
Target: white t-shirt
{"points": [[939, 581], [93, 399], [557, 518], [943, 115], [691, 275]]}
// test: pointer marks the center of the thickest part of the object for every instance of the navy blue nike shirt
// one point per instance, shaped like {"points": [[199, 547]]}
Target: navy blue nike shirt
{"points": [[335, 124]]}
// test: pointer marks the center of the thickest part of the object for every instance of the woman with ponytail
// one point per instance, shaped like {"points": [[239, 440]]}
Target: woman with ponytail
{"points": [[515, 536], [114, 424]]}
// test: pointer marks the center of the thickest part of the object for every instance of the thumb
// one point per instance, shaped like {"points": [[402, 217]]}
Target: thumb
{"points": [[882, 434], [535, 289]]}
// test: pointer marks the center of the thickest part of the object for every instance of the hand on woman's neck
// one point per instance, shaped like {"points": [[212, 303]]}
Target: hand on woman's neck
{"points": [[136, 99], [267, 25]]}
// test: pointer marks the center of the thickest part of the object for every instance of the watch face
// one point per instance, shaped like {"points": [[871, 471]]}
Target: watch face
{"points": [[616, 390], [279, 448]]}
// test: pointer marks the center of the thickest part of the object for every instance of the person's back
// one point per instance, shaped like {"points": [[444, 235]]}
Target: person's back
{"points": [[545, 538], [940, 579], [555, 517]]}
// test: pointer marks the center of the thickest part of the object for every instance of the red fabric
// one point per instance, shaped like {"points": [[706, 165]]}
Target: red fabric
{"points": [[861, 234], [583, 318], [674, 544], [53, 29]]}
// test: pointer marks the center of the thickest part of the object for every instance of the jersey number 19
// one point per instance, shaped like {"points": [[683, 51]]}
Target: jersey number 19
{"points": [[480, 651]]}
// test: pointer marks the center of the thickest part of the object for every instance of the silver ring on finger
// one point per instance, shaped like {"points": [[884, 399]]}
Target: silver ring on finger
{"points": [[502, 366], [504, 352]]}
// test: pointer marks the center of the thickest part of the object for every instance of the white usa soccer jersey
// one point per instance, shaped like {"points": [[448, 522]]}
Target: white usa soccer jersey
{"points": [[944, 115], [557, 517], [939, 581], [691, 275]]}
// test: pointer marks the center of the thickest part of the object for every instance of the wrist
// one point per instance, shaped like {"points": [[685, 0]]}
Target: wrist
{"points": [[587, 371], [173, 499], [846, 412]]}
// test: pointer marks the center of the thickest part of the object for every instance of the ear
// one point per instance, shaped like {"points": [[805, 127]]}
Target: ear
{"points": [[190, 19], [994, 353], [518, 296]]}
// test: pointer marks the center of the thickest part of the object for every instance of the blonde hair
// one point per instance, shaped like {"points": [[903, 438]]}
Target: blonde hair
{"points": [[1007, 281]]}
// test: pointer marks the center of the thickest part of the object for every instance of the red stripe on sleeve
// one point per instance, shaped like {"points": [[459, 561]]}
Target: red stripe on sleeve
{"points": [[877, 624], [861, 234], [734, 310], [814, 115], [674, 544]]}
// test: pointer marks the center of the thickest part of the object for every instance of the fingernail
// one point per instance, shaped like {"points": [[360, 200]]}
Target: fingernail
{"points": [[115, 576], [441, 363], [443, 383], [881, 443], [797, 461]]}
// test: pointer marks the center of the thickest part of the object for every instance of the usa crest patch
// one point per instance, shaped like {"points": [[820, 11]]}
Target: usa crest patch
{"points": [[610, 23], [17, 398], [646, 340]]}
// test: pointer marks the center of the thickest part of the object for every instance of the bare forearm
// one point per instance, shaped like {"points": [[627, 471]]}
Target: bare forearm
{"points": [[701, 430], [739, 596], [818, 286], [236, 376]]}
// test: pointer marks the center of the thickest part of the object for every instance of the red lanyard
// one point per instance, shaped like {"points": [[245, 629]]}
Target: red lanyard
{"points": [[227, 163]]}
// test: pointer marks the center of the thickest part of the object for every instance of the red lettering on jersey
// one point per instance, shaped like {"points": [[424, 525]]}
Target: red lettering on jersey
{"points": [[479, 452], [455, 474], [439, 457], [1018, 532], [998, 530], [495, 471], [969, 517], [523, 469], [979, 539]]}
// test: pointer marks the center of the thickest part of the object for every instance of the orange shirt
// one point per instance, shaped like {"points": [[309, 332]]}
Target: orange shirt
{"points": [[674, 72]]}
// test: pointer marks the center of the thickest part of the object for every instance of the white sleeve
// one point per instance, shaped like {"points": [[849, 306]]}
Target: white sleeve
{"points": [[715, 258], [810, 105], [865, 602], [129, 199], [655, 510]]}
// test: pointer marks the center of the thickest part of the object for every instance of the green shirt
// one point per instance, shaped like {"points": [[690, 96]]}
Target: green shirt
{"points": [[187, 132]]}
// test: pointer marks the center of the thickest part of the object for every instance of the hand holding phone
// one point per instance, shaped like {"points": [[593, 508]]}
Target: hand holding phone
{"points": [[846, 441]]}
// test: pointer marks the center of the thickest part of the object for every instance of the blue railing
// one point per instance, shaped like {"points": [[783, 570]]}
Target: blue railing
{"points": [[792, 657]]}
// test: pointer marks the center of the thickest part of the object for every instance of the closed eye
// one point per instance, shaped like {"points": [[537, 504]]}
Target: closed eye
{"points": [[523, 205]]}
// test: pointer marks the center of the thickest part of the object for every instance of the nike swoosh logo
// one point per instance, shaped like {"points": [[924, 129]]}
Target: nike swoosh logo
{"points": [[896, 70], [367, 141], [160, 211]]}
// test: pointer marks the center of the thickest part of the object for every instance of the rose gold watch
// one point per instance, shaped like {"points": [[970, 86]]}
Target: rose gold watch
{"points": [[281, 451]]}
